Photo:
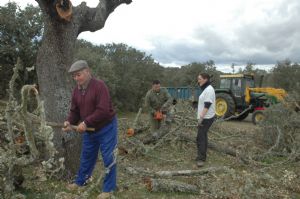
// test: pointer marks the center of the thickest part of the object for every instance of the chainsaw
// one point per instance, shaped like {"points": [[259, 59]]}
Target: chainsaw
{"points": [[158, 115]]}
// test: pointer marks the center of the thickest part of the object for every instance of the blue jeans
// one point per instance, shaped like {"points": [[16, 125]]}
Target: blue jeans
{"points": [[106, 140]]}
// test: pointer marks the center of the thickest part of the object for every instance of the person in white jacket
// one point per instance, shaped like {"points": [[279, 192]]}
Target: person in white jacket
{"points": [[205, 116]]}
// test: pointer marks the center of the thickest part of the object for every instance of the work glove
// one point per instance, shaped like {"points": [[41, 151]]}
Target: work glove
{"points": [[67, 127]]}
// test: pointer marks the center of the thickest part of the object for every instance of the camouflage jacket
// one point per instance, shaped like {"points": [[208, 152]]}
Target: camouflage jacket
{"points": [[158, 100]]}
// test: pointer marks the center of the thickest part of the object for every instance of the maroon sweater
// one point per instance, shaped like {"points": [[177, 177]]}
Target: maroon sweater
{"points": [[93, 106]]}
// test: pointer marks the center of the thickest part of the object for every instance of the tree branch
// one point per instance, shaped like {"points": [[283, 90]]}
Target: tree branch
{"points": [[93, 19], [145, 172], [165, 185]]}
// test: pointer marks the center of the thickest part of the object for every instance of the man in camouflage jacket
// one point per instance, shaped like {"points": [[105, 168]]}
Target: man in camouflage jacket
{"points": [[157, 99]]}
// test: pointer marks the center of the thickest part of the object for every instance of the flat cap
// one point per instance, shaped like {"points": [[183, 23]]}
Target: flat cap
{"points": [[78, 65]]}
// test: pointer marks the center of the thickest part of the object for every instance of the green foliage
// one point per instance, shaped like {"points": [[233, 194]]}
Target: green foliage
{"points": [[249, 68], [187, 75], [261, 77], [20, 35], [127, 71], [286, 75]]}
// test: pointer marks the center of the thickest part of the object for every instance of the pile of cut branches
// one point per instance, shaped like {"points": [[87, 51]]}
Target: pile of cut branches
{"points": [[281, 131], [245, 148]]}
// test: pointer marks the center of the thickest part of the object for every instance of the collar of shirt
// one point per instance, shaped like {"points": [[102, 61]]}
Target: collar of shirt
{"points": [[156, 92], [205, 85]]}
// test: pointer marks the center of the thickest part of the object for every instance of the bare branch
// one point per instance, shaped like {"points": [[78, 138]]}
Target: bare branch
{"points": [[163, 185], [93, 19], [144, 172]]}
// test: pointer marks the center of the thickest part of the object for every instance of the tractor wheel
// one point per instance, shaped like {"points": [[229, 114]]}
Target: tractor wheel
{"points": [[258, 117], [225, 106], [243, 116]]}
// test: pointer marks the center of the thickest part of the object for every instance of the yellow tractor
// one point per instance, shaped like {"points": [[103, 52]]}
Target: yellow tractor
{"points": [[238, 96]]}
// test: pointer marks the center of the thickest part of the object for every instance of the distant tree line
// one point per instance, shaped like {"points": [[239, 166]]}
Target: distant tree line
{"points": [[127, 71]]}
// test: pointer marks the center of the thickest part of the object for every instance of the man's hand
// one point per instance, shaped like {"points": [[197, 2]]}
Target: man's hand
{"points": [[81, 127], [67, 127]]}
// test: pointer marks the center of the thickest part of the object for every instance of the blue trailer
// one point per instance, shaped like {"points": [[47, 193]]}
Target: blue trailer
{"points": [[185, 93]]}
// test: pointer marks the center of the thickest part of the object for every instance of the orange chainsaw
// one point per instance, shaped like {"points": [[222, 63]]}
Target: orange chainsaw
{"points": [[158, 115]]}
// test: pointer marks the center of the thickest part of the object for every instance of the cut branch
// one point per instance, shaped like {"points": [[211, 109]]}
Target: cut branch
{"points": [[215, 147], [27, 124], [143, 172], [163, 185], [155, 136]]}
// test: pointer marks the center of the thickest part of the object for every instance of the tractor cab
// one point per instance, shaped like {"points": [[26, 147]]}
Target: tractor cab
{"points": [[230, 96], [237, 83]]}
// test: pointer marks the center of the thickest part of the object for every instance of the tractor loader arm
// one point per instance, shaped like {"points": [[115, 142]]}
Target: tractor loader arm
{"points": [[277, 93]]}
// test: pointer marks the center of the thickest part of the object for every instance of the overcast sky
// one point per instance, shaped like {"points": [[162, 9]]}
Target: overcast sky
{"points": [[178, 32]]}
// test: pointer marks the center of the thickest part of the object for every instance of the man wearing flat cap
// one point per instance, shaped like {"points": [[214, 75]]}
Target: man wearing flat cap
{"points": [[91, 107]]}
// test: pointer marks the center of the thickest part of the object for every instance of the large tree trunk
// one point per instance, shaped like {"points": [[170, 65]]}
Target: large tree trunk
{"points": [[54, 59]]}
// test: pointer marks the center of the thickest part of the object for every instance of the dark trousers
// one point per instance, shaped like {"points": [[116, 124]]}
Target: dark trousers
{"points": [[202, 139]]}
